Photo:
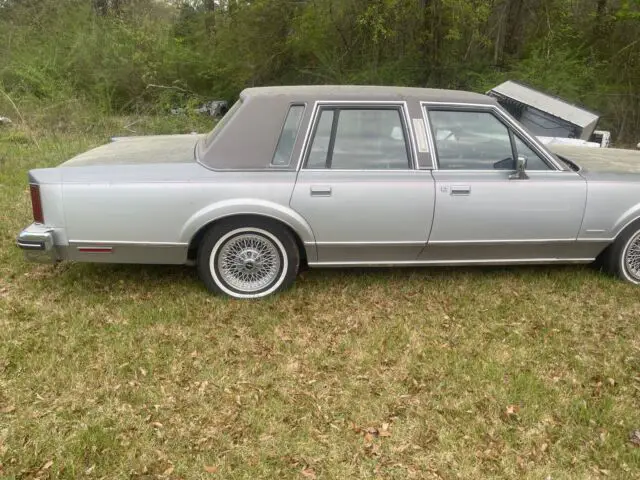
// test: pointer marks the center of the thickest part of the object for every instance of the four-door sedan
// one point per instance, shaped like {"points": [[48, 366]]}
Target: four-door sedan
{"points": [[335, 176]]}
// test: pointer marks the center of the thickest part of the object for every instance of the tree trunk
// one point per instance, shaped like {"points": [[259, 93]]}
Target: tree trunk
{"points": [[513, 36], [101, 7]]}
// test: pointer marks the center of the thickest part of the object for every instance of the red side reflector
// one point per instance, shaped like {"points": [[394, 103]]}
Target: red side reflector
{"points": [[36, 203], [95, 249]]}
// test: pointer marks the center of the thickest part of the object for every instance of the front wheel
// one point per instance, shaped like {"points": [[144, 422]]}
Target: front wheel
{"points": [[623, 257], [248, 260]]}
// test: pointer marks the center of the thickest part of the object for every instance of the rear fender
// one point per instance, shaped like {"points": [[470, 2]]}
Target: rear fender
{"points": [[250, 206]]}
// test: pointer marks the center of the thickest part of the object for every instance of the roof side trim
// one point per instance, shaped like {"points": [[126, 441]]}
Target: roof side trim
{"points": [[364, 92]]}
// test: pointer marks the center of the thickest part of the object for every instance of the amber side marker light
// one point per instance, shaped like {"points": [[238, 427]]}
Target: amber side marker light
{"points": [[36, 203]]}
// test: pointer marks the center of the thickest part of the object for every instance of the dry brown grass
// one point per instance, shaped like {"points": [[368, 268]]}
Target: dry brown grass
{"points": [[137, 372]]}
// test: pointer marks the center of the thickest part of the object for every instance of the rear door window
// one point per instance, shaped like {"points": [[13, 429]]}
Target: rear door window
{"points": [[353, 138]]}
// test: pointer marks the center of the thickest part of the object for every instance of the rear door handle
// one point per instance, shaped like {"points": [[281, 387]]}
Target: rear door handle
{"points": [[320, 191], [460, 190]]}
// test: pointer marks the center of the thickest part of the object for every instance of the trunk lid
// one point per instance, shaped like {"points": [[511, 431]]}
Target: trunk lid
{"points": [[139, 150]]}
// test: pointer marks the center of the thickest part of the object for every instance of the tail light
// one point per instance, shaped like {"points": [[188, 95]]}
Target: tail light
{"points": [[36, 203]]}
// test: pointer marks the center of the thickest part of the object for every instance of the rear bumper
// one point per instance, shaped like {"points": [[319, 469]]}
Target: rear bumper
{"points": [[36, 241]]}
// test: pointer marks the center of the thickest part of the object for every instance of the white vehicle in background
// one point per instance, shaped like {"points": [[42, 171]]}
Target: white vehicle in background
{"points": [[576, 142], [602, 138]]}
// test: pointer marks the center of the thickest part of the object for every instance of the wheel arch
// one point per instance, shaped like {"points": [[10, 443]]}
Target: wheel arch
{"points": [[627, 220], [307, 250], [631, 217], [621, 227]]}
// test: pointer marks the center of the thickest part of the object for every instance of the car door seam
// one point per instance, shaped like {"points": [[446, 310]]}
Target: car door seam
{"points": [[584, 209], [433, 214]]}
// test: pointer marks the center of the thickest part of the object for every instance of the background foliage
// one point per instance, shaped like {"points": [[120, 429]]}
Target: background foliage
{"points": [[124, 56]]}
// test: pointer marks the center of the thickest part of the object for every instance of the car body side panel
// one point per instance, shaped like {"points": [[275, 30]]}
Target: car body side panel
{"points": [[488, 215], [126, 252], [366, 216], [612, 204], [158, 208], [512, 252]]}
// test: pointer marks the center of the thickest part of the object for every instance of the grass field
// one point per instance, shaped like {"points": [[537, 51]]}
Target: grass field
{"points": [[137, 372]]}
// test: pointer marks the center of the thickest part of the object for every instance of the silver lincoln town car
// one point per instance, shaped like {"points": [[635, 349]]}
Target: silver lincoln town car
{"points": [[335, 176]]}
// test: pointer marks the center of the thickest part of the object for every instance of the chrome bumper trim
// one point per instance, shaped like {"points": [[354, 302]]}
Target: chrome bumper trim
{"points": [[30, 245], [37, 243]]}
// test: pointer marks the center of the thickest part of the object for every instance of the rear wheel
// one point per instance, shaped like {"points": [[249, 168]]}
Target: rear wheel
{"points": [[623, 257], [248, 260]]}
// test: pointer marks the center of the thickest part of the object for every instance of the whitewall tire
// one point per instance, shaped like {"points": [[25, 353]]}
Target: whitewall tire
{"points": [[248, 259]]}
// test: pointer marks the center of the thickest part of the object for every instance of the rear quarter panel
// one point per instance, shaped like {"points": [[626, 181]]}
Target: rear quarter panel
{"points": [[168, 203]]}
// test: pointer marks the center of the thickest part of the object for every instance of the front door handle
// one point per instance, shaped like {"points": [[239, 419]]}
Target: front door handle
{"points": [[320, 191], [460, 190]]}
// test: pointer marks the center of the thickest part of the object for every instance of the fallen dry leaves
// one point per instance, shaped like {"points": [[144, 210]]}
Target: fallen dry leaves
{"points": [[210, 468], [168, 471], [308, 472], [371, 432], [372, 448], [511, 411]]}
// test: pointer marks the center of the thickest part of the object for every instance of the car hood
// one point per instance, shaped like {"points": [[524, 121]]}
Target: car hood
{"points": [[139, 150], [600, 159]]}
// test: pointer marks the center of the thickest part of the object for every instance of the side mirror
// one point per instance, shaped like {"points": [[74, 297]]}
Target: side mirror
{"points": [[521, 169]]}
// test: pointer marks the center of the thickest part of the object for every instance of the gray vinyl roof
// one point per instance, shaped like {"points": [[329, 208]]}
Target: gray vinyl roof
{"points": [[546, 103], [360, 92]]}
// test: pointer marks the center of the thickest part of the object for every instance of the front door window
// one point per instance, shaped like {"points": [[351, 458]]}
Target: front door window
{"points": [[476, 140]]}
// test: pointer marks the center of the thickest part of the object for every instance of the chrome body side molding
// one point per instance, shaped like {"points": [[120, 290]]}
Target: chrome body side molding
{"points": [[437, 263]]}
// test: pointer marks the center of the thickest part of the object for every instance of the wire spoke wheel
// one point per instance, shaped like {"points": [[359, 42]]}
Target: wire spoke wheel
{"points": [[249, 262], [632, 257]]}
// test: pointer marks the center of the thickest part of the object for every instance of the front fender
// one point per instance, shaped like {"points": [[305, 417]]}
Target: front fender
{"points": [[251, 206], [613, 203]]}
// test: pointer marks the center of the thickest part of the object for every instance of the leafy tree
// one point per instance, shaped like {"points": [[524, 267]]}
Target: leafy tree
{"points": [[124, 55]]}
